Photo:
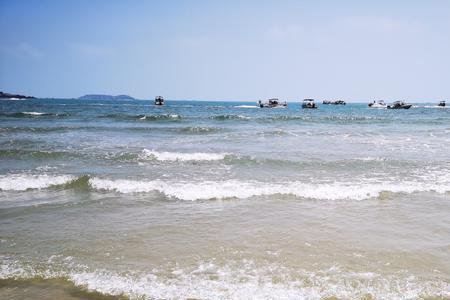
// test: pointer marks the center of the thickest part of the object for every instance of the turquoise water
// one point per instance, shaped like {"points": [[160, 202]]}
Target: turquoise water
{"points": [[224, 200]]}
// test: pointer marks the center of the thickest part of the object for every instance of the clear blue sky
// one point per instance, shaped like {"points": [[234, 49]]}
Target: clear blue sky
{"points": [[355, 50]]}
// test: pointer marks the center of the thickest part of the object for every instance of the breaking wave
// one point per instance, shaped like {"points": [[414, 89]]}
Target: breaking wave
{"points": [[233, 280], [23, 182], [228, 189]]}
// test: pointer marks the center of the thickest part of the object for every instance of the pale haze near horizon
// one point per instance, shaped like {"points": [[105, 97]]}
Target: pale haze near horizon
{"points": [[227, 50]]}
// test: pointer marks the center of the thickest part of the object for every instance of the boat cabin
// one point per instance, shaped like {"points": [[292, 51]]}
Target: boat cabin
{"points": [[159, 100]]}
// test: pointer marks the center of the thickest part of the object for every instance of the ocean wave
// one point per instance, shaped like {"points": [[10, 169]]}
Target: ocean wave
{"points": [[226, 189], [183, 130], [33, 114], [436, 106], [241, 279], [36, 154], [23, 182], [159, 117], [230, 117], [142, 117], [230, 189], [348, 119], [245, 106], [39, 129], [198, 130], [178, 156]]}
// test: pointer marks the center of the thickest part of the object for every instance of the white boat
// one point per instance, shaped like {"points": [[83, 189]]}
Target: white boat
{"points": [[379, 104], [272, 103], [309, 103]]}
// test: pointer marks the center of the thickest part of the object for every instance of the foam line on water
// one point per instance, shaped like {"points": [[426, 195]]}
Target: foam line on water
{"points": [[246, 106], [237, 280], [33, 113], [245, 189], [227, 189], [178, 156]]}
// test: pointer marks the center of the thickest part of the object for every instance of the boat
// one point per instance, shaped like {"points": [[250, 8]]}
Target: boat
{"points": [[335, 102], [441, 104], [159, 100], [379, 104], [399, 105], [272, 103], [309, 103]]}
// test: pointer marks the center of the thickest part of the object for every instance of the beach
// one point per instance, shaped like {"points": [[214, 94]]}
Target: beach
{"points": [[223, 200]]}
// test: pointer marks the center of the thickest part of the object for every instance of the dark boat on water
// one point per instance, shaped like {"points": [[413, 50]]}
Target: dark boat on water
{"points": [[309, 103], [272, 103], [336, 102], [441, 104], [159, 100], [399, 105]]}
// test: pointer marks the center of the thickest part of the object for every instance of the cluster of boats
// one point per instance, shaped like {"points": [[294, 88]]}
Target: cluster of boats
{"points": [[275, 102], [397, 105], [309, 103]]}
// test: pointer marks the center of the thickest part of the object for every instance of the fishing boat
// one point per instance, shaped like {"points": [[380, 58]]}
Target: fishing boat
{"points": [[441, 104], [272, 103], [379, 104], [309, 103], [399, 105], [159, 100]]}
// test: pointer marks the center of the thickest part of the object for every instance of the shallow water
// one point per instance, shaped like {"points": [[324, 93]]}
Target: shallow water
{"points": [[223, 200]]}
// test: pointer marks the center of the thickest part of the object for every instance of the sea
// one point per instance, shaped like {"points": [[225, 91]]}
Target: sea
{"points": [[223, 200]]}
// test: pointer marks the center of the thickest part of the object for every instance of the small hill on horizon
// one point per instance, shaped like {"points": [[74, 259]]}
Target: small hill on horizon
{"points": [[14, 96], [105, 97]]}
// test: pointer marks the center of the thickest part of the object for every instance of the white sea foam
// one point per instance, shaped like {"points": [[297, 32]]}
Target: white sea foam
{"points": [[436, 106], [22, 182], [16, 99], [227, 189], [246, 189], [239, 280], [198, 190], [242, 117], [246, 106], [177, 156], [33, 113]]}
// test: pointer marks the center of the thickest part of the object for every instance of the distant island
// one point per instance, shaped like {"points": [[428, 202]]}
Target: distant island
{"points": [[105, 97], [14, 96]]}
